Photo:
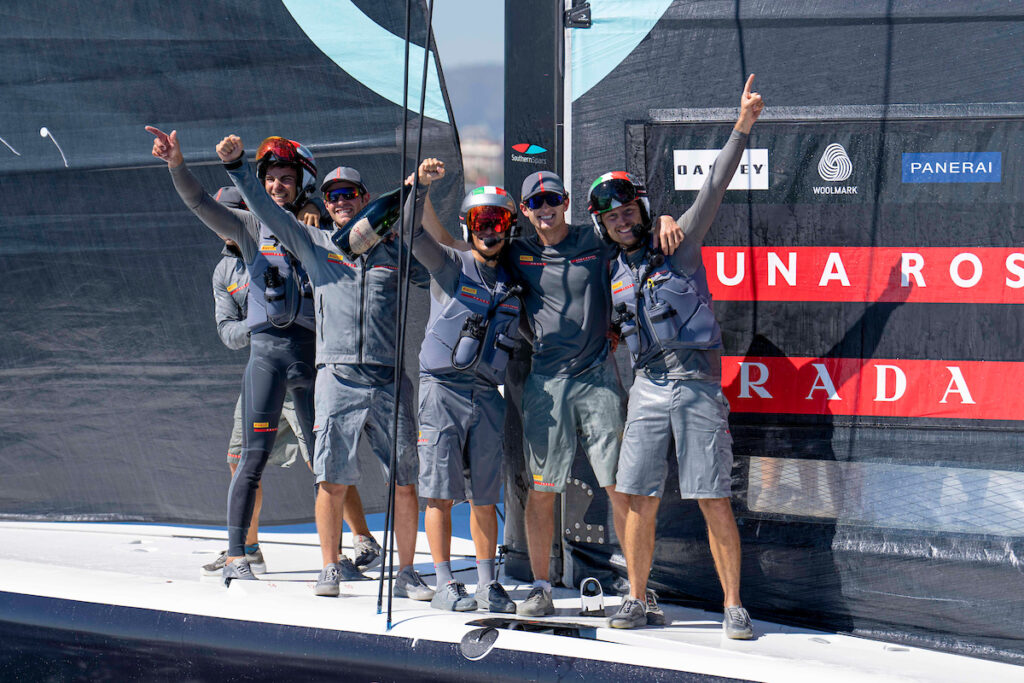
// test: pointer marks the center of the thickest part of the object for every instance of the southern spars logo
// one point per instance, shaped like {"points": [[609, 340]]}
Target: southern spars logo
{"points": [[952, 167], [529, 153], [693, 166], [835, 166]]}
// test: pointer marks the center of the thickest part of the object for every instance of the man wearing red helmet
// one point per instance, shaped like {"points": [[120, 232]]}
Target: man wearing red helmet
{"points": [[662, 307]]}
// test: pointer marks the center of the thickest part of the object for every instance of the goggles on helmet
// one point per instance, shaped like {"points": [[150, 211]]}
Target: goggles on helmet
{"points": [[278, 149], [611, 194], [497, 218], [552, 199], [342, 194]]}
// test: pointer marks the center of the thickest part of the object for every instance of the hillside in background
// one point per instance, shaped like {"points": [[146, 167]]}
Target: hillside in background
{"points": [[477, 97]]}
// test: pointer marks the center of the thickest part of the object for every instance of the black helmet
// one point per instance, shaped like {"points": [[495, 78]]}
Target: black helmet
{"points": [[616, 189]]}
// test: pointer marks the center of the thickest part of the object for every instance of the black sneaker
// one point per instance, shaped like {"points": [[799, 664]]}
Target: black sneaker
{"points": [[367, 552], [655, 615], [492, 597], [239, 569], [631, 614], [736, 624]]}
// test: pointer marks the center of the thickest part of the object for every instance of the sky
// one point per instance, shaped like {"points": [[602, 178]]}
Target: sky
{"points": [[469, 32]]}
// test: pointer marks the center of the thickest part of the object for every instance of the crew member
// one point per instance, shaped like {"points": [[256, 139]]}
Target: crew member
{"points": [[662, 308], [473, 327], [573, 390], [280, 317], [356, 338]]}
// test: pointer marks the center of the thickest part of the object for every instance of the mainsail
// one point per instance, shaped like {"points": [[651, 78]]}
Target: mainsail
{"points": [[115, 393]]}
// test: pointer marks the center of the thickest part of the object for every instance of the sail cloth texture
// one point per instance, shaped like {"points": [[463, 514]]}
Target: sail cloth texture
{"points": [[116, 395], [865, 268]]}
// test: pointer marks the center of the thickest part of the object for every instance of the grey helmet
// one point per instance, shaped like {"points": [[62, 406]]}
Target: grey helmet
{"points": [[489, 195]]}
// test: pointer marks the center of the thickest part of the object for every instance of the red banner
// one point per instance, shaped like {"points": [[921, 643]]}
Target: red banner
{"points": [[986, 275], [963, 390]]}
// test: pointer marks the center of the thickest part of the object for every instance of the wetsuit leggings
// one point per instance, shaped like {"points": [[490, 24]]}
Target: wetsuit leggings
{"points": [[279, 361]]}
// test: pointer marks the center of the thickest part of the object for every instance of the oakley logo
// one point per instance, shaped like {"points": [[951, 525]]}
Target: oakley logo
{"points": [[834, 165]]}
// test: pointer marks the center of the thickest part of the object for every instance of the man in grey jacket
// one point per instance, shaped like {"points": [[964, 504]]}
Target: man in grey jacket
{"points": [[355, 304]]}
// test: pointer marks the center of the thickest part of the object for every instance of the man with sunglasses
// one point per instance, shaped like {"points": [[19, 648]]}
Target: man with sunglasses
{"points": [[573, 391], [472, 329], [662, 306], [279, 316], [355, 339]]}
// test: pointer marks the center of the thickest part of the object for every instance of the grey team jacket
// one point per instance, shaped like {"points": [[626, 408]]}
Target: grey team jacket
{"points": [[355, 301], [230, 298]]}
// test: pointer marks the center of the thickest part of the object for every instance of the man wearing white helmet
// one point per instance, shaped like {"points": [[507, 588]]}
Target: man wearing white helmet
{"points": [[472, 330], [662, 307]]}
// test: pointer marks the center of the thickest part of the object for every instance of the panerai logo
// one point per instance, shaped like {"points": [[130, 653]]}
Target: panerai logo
{"points": [[528, 153], [952, 167], [693, 166], [835, 166]]}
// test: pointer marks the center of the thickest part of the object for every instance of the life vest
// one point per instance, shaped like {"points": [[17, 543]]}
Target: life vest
{"points": [[475, 330], [667, 310], [279, 290]]}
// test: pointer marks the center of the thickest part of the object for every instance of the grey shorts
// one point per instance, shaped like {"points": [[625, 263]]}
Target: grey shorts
{"points": [[288, 445], [558, 409], [689, 418], [460, 441], [345, 411]]}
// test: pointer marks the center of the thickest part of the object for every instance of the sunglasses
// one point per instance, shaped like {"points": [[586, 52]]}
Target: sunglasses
{"points": [[552, 199], [343, 194], [480, 218], [610, 194]]}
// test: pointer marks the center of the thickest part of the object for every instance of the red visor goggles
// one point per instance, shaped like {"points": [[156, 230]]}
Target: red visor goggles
{"points": [[281, 148], [480, 218]]}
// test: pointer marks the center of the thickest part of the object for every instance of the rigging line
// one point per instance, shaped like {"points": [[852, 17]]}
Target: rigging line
{"points": [[389, 515], [44, 132], [16, 152]]}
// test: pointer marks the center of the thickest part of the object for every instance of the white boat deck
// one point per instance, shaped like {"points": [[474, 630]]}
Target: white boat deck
{"points": [[157, 567]]}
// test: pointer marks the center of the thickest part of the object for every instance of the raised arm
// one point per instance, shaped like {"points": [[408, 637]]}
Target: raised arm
{"points": [[228, 223], [697, 220], [285, 226], [231, 326]]}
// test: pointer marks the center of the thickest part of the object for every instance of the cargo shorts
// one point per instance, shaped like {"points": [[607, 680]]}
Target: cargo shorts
{"points": [[685, 419], [347, 410], [558, 410], [460, 441]]}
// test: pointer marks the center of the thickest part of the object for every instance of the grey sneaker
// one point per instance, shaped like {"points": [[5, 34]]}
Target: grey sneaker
{"points": [[632, 614], [537, 604], [736, 624], [655, 615], [327, 582], [452, 597], [239, 569], [493, 597], [408, 584], [348, 570], [255, 560], [367, 552]]}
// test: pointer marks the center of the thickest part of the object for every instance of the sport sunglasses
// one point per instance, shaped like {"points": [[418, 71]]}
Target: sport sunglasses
{"points": [[342, 194], [552, 199]]}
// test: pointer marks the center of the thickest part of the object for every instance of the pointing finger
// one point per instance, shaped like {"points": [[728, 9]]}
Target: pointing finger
{"points": [[746, 87]]}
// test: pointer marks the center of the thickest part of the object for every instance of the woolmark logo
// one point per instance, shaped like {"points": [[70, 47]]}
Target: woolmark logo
{"points": [[835, 165], [528, 153], [693, 166]]}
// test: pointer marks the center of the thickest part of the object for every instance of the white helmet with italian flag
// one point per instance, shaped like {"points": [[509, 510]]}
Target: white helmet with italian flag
{"points": [[488, 206]]}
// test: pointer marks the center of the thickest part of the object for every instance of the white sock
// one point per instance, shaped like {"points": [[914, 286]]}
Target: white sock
{"points": [[546, 585]]}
